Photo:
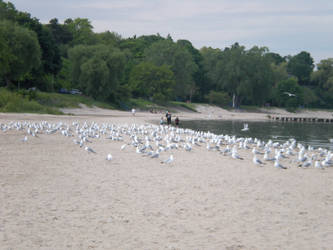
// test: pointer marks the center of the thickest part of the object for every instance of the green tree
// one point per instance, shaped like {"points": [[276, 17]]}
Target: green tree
{"points": [[22, 52], [109, 38], [152, 82], [280, 72], [322, 79], [289, 93], [97, 70], [199, 86], [60, 32], [218, 97], [301, 66], [180, 61], [211, 57], [260, 76], [310, 99], [82, 31], [275, 58]]}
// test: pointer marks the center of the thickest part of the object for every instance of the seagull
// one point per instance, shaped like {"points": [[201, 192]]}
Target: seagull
{"points": [[306, 164], [255, 151], [89, 150], [246, 127], [187, 147], [289, 94], [235, 155], [257, 161], [123, 146], [109, 157], [155, 155], [278, 165], [267, 158], [317, 165], [169, 160], [25, 139]]}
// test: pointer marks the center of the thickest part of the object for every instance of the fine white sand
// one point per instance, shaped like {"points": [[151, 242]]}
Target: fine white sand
{"points": [[55, 195]]}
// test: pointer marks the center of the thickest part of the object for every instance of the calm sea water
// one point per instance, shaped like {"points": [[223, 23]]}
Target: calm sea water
{"points": [[314, 134]]}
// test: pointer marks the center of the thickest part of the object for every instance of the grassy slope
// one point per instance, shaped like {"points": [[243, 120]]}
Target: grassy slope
{"points": [[50, 103], [43, 103]]}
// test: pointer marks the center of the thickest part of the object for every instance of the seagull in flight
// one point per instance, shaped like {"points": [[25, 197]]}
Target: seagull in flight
{"points": [[246, 127], [289, 94]]}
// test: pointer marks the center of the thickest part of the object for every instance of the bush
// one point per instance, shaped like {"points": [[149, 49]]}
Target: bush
{"points": [[20, 102], [219, 98]]}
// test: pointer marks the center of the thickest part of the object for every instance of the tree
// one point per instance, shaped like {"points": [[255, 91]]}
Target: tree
{"points": [[289, 93], [260, 76], [60, 32], [82, 31], [152, 82], [179, 60], [219, 98], [275, 58], [280, 72], [109, 38], [22, 53], [210, 59], [322, 79], [198, 87], [301, 66], [97, 70]]}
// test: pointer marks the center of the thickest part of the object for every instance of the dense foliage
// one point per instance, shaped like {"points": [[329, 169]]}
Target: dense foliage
{"points": [[107, 67]]}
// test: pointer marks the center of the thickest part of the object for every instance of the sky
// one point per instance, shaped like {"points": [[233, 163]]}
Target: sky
{"points": [[286, 27]]}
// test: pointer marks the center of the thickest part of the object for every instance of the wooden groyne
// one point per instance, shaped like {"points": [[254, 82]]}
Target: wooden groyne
{"points": [[299, 119]]}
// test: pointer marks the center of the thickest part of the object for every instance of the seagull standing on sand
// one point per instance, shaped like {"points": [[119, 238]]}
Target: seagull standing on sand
{"points": [[278, 165], [109, 157], [169, 160], [256, 161], [90, 150]]}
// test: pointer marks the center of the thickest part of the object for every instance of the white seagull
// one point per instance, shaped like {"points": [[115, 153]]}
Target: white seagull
{"points": [[109, 157], [278, 165], [90, 150], [169, 160], [246, 127], [257, 161], [289, 94]]}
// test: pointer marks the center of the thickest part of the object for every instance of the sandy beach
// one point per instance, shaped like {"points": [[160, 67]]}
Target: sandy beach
{"points": [[56, 195]]}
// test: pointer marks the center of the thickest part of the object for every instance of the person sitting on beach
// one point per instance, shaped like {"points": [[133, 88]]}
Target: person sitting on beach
{"points": [[162, 121], [177, 121], [133, 112]]}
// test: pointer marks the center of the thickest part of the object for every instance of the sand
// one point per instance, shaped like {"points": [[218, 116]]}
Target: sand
{"points": [[55, 195]]}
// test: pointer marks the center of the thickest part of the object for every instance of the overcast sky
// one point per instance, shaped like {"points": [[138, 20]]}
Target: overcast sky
{"points": [[286, 27]]}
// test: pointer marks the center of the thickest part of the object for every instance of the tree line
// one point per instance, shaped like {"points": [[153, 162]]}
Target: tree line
{"points": [[108, 67]]}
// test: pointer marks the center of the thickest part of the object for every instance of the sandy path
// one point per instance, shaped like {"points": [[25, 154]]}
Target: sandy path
{"points": [[55, 195]]}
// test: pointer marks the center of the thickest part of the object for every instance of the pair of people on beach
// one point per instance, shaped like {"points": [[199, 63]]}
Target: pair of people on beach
{"points": [[168, 118]]}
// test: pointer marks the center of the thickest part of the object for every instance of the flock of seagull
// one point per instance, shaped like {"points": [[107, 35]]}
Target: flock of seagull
{"points": [[152, 141]]}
